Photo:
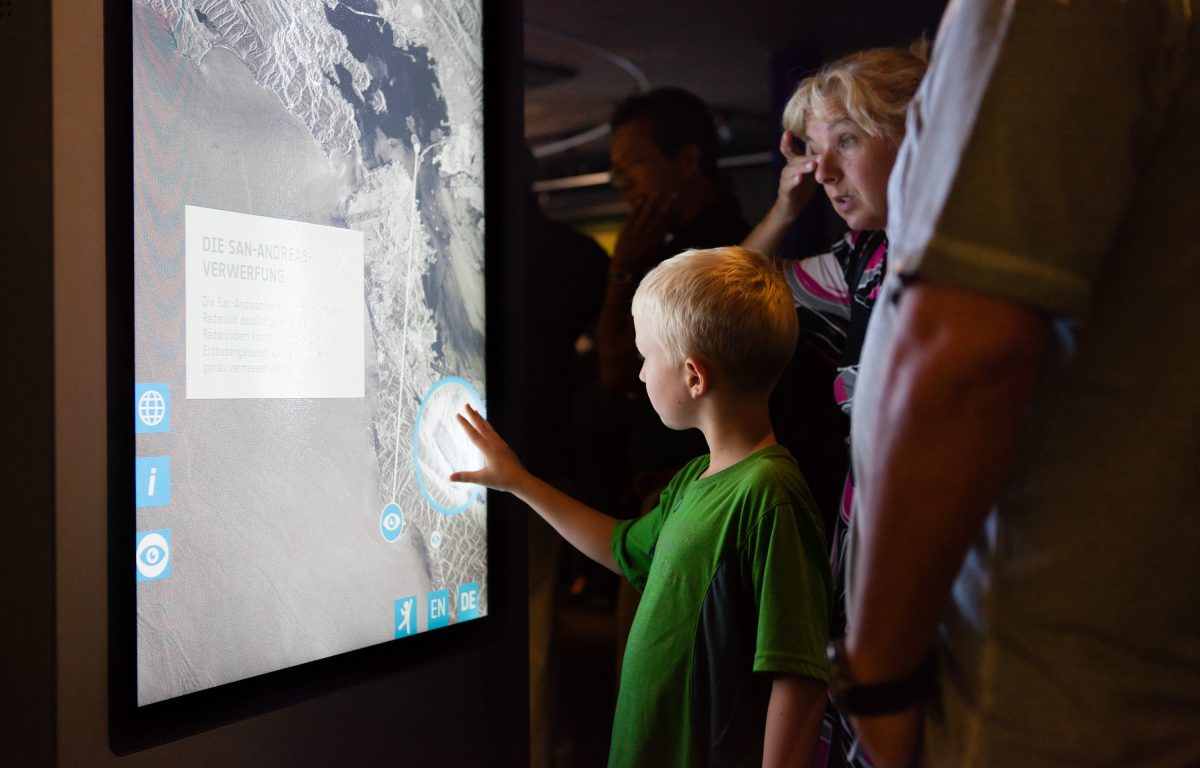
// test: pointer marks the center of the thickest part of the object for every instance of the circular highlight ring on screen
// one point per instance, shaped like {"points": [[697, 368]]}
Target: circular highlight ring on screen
{"points": [[441, 447]]}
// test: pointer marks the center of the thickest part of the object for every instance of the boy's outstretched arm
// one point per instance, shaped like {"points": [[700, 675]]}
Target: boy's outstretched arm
{"points": [[794, 716], [584, 528]]}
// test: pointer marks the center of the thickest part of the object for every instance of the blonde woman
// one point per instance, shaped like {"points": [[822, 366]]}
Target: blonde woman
{"points": [[842, 129]]}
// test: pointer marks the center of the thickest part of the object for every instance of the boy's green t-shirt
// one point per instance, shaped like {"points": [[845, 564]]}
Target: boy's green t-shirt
{"points": [[734, 574]]}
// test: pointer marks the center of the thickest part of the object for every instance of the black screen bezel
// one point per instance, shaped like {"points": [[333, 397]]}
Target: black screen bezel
{"points": [[133, 728]]}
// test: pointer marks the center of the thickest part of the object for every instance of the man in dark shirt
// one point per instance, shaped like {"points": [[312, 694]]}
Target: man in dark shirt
{"points": [[664, 161]]}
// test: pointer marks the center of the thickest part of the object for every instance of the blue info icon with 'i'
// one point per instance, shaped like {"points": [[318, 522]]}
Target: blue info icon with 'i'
{"points": [[153, 481]]}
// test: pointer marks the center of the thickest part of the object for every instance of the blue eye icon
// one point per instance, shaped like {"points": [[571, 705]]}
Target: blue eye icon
{"points": [[391, 522], [153, 555]]}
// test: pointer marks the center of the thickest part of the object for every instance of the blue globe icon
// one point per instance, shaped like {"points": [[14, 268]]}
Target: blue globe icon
{"points": [[152, 408]]}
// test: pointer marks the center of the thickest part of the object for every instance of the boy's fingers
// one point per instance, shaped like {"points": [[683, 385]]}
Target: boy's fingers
{"points": [[484, 426], [464, 477], [477, 421], [471, 430]]}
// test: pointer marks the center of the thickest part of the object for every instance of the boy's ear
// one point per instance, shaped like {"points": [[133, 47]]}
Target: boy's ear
{"points": [[697, 375]]}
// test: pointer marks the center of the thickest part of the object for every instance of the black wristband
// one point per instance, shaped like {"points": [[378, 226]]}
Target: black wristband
{"points": [[879, 698]]}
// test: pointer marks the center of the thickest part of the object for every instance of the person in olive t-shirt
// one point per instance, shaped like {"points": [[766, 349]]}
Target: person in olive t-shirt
{"points": [[1026, 427], [726, 659]]}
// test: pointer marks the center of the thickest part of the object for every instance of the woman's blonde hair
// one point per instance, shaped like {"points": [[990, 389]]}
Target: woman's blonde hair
{"points": [[871, 87], [727, 305]]}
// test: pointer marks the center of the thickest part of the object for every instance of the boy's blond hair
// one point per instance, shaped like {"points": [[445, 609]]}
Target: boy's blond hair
{"points": [[729, 306], [871, 87]]}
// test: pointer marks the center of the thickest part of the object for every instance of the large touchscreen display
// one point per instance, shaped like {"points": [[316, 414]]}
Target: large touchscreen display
{"points": [[309, 315]]}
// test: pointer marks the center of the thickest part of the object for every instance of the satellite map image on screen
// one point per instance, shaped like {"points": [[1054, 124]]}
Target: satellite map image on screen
{"points": [[309, 315]]}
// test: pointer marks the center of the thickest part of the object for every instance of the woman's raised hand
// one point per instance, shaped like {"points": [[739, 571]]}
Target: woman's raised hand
{"points": [[796, 187], [796, 183]]}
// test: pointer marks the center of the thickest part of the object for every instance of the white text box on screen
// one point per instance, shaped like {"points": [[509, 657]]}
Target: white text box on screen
{"points": [[274, 307]]}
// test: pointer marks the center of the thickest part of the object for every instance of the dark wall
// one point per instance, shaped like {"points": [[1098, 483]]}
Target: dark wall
{"points": [[27, 642], [838, 27]]}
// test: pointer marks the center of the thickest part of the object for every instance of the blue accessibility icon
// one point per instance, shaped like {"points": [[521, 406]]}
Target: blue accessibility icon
{"points": [[405, 621]]}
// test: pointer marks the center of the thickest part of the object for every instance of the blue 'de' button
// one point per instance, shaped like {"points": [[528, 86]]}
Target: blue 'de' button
{"points": [[468, 601]]}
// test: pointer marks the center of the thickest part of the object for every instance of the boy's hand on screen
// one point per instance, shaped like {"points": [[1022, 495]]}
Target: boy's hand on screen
{"points": [[501, 467]]}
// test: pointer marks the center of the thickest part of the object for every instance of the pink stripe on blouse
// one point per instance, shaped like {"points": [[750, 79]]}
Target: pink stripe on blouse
{"points": [[818, 289]]}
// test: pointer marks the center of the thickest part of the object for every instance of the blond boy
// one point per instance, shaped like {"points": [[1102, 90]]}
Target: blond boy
{"points": [[726, 657]]}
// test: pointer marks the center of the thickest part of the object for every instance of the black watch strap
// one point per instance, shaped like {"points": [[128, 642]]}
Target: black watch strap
{"points": [[879, 698]]}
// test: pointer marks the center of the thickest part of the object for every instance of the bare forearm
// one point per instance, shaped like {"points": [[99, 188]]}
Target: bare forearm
{"points": [[793, 721], [586, 529], [796, 185], [960, 377], [768, 234]]}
